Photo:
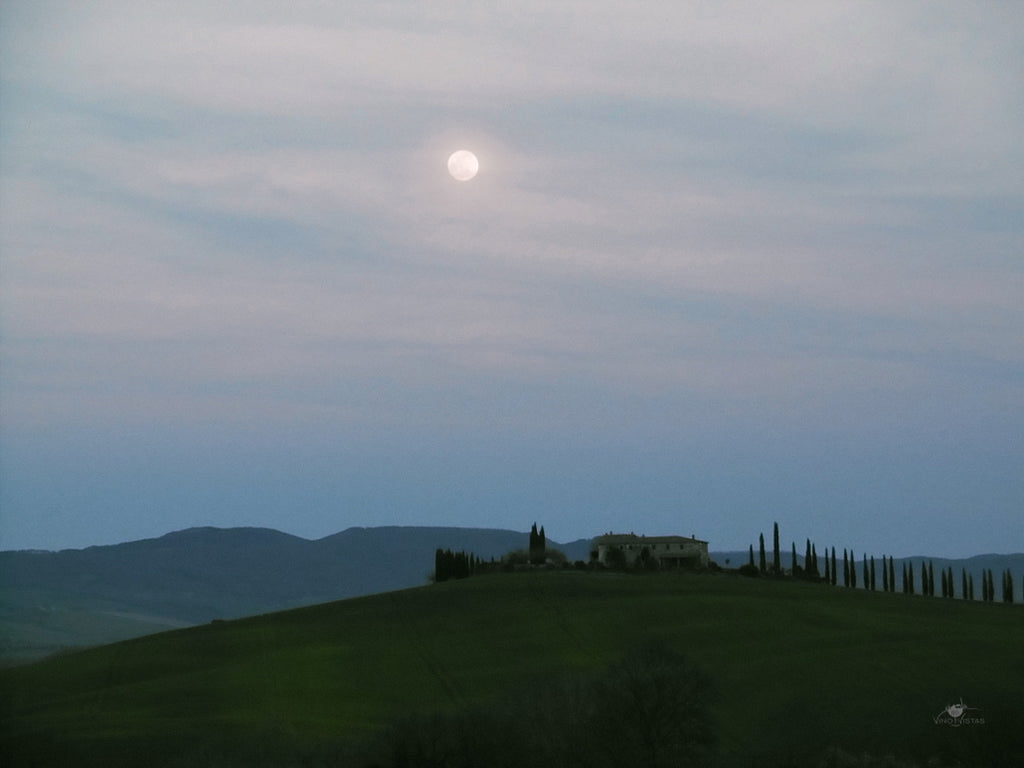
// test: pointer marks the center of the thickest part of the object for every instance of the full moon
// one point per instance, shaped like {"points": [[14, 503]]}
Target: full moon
{"points": [[463, 165]]}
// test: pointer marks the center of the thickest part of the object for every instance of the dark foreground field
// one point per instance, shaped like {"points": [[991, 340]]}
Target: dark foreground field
{"points": [[787, 674]]}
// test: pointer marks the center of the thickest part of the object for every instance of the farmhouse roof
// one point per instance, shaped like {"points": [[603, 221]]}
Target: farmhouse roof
{"points": [[632, 538]]}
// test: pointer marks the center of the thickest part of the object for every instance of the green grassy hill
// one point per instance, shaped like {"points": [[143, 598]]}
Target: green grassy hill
{"points": [[798, 668], [54, 601]]}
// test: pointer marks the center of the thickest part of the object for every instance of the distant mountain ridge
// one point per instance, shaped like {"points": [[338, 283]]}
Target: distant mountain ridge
{"points": [[53, 600], [50, 600]]}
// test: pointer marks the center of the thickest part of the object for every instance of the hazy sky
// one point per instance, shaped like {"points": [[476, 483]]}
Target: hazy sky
{"points": [[724, 264]]}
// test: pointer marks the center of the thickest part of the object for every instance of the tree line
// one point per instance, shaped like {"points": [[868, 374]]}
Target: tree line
{"points": [[454, 565], [460, 565], [829, 572]]}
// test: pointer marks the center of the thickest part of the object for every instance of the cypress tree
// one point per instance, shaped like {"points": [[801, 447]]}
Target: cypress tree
{"points": [[828, 574], [846, 570], [439, 574], [853, 571], [776, 563], [808, 560], [963, 584], [945, 588], [892, 575], [448, 566], [538, 543], [931, 579], [924, 579], [751, 554], [792, 565], [867, 575], [872, 580], [903, 584], [764, 567], [814, 559], [833, 566], [910, 575], [970, 586], [885, 576], [461, 565]]}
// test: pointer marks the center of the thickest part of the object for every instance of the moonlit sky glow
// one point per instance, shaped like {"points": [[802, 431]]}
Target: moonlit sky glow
{"points": [[730, 263]]}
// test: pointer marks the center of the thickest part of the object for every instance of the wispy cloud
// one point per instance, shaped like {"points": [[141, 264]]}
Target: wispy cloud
{"points": [[691, 221]]}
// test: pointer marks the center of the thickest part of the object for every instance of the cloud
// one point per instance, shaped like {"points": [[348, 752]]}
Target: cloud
{"points": [[690, 220]]}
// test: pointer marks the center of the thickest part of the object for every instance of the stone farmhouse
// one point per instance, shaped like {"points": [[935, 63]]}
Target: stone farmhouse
{"points": [[669, 551]]}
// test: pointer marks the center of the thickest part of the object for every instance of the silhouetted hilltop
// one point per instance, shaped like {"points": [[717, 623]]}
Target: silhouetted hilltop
{"points": [[53, 600], [50, 600]]}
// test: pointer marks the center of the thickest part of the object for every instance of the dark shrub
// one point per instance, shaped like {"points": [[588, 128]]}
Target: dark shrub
{"points": [[647, 709]]}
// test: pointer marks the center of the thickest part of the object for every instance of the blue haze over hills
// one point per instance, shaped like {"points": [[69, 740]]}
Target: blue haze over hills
{"points": [[55, 600]]}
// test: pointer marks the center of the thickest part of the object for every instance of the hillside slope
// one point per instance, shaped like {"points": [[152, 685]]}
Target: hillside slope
{"points": [[52, 601], [798, 668], [55, 600]]}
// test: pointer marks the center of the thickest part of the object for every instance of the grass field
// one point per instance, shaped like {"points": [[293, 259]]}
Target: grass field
{"points": [[798, 668]]}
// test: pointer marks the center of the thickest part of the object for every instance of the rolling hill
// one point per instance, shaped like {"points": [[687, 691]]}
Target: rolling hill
{"points": [[797, 670], [54, 601], [51, 601]]}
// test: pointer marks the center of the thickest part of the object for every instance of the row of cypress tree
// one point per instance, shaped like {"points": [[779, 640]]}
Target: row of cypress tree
{"points": [[460, 565], [453, 565], [830, 575]]}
